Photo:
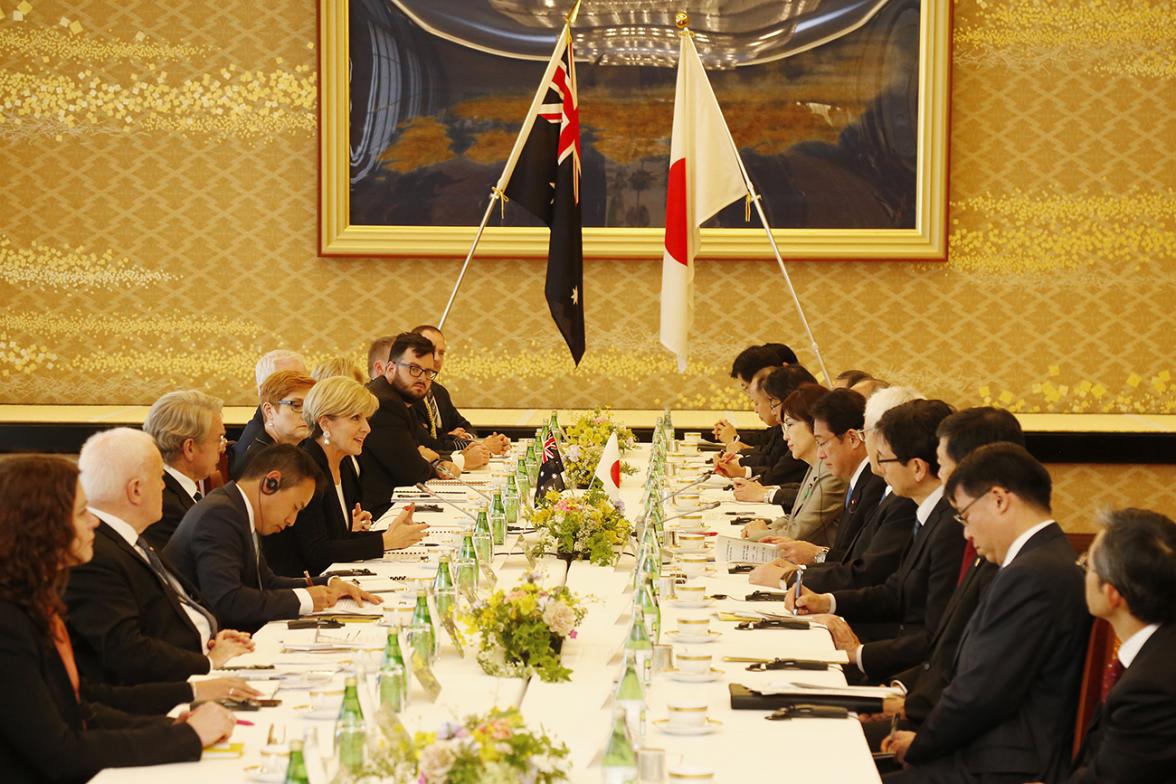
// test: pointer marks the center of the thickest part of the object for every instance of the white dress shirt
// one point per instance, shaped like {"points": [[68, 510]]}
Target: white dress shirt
{"points": [[186, 482], [1129, 648], [127, 532], [1020, 541], [307, 604]]}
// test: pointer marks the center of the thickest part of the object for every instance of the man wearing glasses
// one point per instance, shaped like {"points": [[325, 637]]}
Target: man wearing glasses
{"points": [[392, 456], [189, 430], [1007, 713]]}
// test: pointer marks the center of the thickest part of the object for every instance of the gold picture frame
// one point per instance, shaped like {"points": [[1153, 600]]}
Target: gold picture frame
{"points": [[927, 241]]}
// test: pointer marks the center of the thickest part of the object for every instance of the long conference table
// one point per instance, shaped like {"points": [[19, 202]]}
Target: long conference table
{"points": [[578, 712]]}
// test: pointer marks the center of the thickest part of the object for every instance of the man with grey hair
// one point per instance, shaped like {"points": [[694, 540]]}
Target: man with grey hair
{"points": [[189, 430], [271, 362], [132, 619], [875, 551]]}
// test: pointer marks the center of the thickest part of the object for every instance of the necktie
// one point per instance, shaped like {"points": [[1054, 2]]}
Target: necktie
{"points": [[1112, 674], [197, 495], [434, 415], [966, 563], [165, 577]]}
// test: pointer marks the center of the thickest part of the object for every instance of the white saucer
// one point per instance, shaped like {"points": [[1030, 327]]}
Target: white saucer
{"points": [[691, 605], [712, 725], [321, 713], [676, 637], [695, 677]]}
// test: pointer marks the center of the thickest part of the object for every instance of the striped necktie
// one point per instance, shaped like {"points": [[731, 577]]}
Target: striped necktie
{"points": [[165, 577]]}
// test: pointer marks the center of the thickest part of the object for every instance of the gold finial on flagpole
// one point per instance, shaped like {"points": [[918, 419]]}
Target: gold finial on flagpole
{"points": [[682, 20], [571, 17]]}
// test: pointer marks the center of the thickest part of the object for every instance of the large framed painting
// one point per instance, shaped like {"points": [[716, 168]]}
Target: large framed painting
{"points": [[839, 109]]}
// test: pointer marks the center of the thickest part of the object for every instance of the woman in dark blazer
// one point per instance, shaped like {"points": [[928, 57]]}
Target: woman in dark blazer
{"points": [[54, 726], [333, 528]]}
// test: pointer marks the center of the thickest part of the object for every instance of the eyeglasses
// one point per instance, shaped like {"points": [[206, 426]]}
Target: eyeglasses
{"points": [[883, 460], [774, 404], [296, 405], [961, 516], [416, 370]]}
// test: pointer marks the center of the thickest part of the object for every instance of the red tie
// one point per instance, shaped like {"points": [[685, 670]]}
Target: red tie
{"points": [[1111, 676], [969, 558]]}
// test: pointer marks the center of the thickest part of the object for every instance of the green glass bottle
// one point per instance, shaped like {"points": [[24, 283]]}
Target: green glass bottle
{"points": [[553, 424], [510, 501], [639, 645], [296, 767], [483, 539], [466, 565], [350, 729], [630, 696], [651, 610], [394, 659], [421, 630], [620, 760], [532, 462], [444, 592], [498, 519], [524, 482]]}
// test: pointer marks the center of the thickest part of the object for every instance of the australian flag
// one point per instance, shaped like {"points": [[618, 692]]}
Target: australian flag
{"points": [[551, 470], [546, 181]]}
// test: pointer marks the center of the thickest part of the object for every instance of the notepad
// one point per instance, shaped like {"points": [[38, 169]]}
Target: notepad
{"points": [[348, 606]]}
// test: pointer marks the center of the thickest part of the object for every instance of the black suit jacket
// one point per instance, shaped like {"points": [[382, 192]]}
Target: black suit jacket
{"points": [[927, 681], [176, 503], [1009, 707], [1132, 738], [322, 536], [126, 625], [238, 450], [390, 458], [914, 597], [46, 734], [873, 554], [260, 442], [864, 498], [213, 548], [451, 418]]}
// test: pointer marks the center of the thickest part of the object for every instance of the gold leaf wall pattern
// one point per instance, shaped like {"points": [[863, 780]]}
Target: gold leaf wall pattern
{"points": [[158, 229]]}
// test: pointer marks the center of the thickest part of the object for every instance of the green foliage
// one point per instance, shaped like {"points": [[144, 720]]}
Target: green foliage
{"points": [[518, 631], [588, 527]]}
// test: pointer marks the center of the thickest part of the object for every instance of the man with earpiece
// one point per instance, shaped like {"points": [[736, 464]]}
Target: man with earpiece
{"points": [[217, 543]]}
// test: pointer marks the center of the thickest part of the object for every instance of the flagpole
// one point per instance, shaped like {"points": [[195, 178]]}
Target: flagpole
{"points": [[498, 191], [682, 21]]}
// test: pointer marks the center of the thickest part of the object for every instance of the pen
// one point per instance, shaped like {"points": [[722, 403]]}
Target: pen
{"points": [[244, 723], [799, 586], [893, 726]]}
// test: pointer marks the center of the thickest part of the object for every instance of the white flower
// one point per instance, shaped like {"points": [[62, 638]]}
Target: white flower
{"points": [[436, 761], [560, 618]]}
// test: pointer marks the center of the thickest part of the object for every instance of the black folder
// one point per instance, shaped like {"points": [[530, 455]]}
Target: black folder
{"points": [[743, 698]]}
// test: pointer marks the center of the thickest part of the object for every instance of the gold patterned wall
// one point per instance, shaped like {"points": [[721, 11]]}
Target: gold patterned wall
{"points": [[158, 229]]}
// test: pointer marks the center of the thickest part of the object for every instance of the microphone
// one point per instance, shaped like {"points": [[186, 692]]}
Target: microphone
{"points": [[695, 510], [445, 473], [425, 489], [696, 482]]}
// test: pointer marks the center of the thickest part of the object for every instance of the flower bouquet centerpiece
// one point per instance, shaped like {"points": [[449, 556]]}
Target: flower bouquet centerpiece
{"points": [[496, 748], [522, 631], [586, 438], [587, 528]]}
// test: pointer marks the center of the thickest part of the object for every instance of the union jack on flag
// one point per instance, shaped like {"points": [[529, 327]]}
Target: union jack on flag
{"points": [[551, 469]]}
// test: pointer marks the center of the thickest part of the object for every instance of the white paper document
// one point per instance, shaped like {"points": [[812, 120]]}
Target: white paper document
{"points": [[728, 549], [348, 606]]}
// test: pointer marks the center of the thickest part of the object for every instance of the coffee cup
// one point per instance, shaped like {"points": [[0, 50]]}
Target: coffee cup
{"points": [[686, 712], [275, 758], [691, 438], [691, 774], [692, 564], [325, 699], [690, 540], [695, 628], [691, 662], [690, 593]]}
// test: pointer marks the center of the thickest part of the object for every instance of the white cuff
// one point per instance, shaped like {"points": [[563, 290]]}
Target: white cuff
{"points": [[304, 599], [746, 472], [857, 657], [458, 459], [832, 603]]}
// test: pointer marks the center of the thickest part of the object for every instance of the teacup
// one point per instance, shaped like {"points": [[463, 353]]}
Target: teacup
{"points": [[682, 773], [325, 699], [275, 759], [686, 712], [690, 540], [697, 628], [690, 593], [692, 564], [687, 499], [691, 438], [693, 662]]}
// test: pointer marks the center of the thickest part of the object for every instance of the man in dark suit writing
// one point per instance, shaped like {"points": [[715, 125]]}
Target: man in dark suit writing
{"points": [[217, 546], [1131, 583], [133, 620], [1006, 714]]}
